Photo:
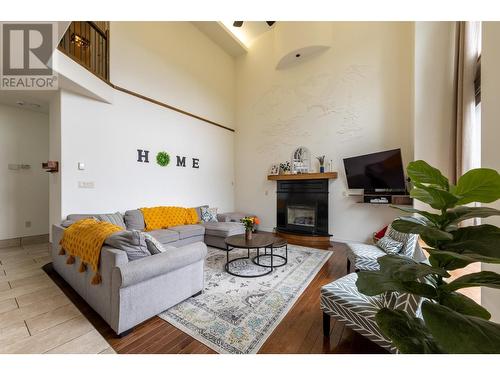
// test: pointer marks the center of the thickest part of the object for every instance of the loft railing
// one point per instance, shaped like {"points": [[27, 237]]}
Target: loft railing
{"points": [[87, 43]]}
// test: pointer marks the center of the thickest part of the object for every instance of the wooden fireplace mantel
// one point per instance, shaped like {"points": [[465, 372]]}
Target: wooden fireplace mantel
{"points": [[304, 176]]}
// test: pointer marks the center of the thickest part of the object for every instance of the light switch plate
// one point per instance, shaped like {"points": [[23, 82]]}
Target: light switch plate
{"points": [[86, 184], [81, 166]]}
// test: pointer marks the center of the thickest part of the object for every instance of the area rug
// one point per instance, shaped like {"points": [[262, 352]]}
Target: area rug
{"points": [[237, 315]]}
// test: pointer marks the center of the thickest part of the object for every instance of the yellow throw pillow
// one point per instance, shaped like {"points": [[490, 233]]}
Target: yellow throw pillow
{"points": [[163, 217], [192, 216]]}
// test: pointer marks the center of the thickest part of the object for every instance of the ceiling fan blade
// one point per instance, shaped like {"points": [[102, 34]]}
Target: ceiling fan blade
{"points": [[270, 23], [238, 23]]}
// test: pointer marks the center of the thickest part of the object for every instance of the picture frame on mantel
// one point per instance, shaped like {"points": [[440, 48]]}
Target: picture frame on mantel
{"points": [[275, 170]]}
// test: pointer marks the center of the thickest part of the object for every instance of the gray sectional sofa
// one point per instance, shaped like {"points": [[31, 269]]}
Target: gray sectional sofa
{"points": [[134, 291]]}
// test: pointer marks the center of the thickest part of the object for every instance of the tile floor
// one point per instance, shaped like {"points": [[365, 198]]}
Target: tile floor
{"points": [[35, 315]]}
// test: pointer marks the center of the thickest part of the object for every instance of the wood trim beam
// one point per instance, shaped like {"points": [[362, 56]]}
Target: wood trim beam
{"points": [[165, 105]]}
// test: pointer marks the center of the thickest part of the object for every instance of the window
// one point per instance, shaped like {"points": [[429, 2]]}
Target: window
{"points": [[476, 131]]}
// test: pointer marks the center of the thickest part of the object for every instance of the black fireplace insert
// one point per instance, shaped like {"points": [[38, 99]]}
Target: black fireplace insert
{"points": [[302, 207]]}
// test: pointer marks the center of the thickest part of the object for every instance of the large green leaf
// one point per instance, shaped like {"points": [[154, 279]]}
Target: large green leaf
{"points": [[395, 275], [458, 214], [481, 239], [407, 333], [422, 173], [450, 260], [416, 271], [434, 218], [484, 278], [463, 305], [410, 225], [459, 333], [436, 198], [478, 185], [372, 283]]}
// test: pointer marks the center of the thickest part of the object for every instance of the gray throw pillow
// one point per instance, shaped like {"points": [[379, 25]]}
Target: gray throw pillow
{"points": [[133, 242], [67, 223], [154, 246], [116, 218], [389, 245], [134, 220]]}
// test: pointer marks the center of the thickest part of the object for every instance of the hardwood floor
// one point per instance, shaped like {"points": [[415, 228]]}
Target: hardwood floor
{"points": [[299, 332]]}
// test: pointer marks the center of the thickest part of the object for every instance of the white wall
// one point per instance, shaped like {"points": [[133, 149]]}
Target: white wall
{"points": [[434, 94], [23, 193], [171, 62], [353, 99], [106, 138], [176, 63], [55, 197], [490, 135]]}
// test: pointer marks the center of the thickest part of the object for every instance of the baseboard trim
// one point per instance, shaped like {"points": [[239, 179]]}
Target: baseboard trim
{"points": [[27, 240]]}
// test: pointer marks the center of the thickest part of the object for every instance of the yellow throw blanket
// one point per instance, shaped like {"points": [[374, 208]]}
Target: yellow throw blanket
{"points": [[164, 217], [84, 239]]}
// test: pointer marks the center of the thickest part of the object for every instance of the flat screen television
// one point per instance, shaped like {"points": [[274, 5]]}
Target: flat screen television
{"points": [[377, 172]]}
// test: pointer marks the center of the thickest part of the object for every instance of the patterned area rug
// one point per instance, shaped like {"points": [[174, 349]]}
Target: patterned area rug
{"points": [[237, 315]]}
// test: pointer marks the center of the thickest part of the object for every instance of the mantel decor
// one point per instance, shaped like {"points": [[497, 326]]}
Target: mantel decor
{"points": [[301, 160], [304, 176]]}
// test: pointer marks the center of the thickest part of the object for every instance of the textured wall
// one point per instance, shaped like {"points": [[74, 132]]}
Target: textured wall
{"points": [[355, 98]]}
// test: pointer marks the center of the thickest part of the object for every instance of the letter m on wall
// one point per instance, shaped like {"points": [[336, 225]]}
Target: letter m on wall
{"points": [[181, 161]]}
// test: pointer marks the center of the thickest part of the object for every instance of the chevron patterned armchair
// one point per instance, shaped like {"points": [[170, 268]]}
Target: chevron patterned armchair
{"points": [[341, 300], [364, 256]]}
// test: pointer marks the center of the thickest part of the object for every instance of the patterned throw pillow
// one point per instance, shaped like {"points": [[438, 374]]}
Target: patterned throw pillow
{"points": [[208, 214], [154, 246], [409, 241], [389, 245]]}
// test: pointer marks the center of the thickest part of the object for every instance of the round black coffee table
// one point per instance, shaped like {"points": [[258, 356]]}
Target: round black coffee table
{"points": [[278, 243], [258, 241]]}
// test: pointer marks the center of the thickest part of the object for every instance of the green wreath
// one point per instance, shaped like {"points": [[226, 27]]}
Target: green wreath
{"points": [[162, 158]]}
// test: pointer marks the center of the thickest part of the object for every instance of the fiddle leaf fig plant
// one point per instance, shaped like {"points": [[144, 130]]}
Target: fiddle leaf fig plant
{"points": [[450, 322]]}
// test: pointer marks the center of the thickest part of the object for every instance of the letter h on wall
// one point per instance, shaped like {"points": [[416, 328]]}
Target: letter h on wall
{"points": [[143, 156]]}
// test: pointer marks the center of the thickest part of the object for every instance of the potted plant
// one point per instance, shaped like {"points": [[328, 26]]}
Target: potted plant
{"points": [[451, 322], [249, 222], [321, 160]]}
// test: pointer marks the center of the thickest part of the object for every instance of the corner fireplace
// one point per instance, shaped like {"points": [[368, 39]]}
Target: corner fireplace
{"points": [[302, 207]]}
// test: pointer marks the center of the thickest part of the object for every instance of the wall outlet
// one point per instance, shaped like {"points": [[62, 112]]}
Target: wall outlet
{"points": [[86, 184], [27, 224]]}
